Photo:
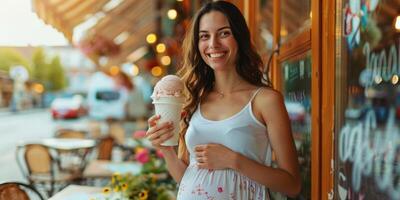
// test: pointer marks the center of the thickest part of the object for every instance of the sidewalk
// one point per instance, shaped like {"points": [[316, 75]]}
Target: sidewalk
{"points": [[7, 111]]}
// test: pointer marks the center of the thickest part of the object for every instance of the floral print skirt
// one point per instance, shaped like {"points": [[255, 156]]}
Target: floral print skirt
{"points": [[227, 184]]}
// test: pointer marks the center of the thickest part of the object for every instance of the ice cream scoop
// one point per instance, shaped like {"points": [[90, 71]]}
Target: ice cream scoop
{"points": [[168, 86], [168, 100]]}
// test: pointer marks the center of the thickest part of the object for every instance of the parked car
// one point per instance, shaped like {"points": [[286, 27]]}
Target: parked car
{"points": [[68, 107], [296, 111], [104, 98]]}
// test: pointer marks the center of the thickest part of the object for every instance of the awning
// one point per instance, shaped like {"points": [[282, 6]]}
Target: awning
{"points": [[126, 22]]}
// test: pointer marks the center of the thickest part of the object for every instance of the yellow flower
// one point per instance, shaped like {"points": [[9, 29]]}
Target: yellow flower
{"points": [[143, 195], [138, 149], [116, 189], [116, 176], [153, 178], [124, 186], [106, 190]]}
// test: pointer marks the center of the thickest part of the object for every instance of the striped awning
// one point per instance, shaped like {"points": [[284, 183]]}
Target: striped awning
{"points": [[126, 22]]}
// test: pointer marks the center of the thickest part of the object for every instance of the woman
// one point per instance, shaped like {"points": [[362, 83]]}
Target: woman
{"points": [[234, 119]]}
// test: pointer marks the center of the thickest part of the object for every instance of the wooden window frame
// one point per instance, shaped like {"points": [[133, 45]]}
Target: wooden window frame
{"points": [[320, 40]]}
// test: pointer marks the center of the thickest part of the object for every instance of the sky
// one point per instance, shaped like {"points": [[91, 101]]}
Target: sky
{"points": [[19, 26]]}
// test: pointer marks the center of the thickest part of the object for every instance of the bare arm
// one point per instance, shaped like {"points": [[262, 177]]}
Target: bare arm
{"points": [[175, 166], [285, 178], [159, 133]]}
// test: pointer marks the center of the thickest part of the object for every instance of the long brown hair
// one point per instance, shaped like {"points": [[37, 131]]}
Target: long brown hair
{"points": [[199, 77]]}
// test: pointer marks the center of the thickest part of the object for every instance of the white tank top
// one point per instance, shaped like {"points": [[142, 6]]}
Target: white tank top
{"points": [[242, 133]]}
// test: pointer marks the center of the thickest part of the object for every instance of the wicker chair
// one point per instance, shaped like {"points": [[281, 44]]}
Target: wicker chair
{"points": [[71, 160], [41, 170], [105, 147], [18, 191], [69, 133]]}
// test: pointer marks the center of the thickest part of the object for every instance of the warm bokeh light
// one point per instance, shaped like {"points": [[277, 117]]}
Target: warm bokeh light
{"points": [[151, 38], [172, 14], [378, 79], [284, 32], [156, 71], [395, 79], [165, 60], [114, 70], [135, 70], [38, 88], [161, 48], [397, 23]]}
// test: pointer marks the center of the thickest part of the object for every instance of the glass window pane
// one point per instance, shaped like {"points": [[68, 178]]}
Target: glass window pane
{"points": [[297, 93], [368, 100], [264, 28], [295, 18]]}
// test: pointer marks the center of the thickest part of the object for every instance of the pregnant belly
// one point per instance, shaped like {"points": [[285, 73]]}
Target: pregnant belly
{"points": [[218, 184]]}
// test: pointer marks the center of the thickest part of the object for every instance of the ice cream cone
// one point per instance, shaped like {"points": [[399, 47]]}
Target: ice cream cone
{"points": [[169, 108]]}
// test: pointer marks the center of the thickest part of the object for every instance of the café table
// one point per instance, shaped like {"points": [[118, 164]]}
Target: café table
{"points": [[62, 143], [78, 192], [106, 168]]}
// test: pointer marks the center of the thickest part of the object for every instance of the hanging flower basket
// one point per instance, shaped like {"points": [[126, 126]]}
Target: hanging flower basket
{"points": [[98, 45]]}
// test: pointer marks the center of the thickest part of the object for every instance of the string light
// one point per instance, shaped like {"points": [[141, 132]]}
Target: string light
{"points": [[156, 71], [397, 23], [161, 48], [395, 79], [114, 70], [135, 70], [38, 88], [151, 38], [165, 60], [172, 14]]}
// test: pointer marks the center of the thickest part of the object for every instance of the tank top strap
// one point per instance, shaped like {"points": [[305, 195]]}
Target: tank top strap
{"points": [[254, 94]]}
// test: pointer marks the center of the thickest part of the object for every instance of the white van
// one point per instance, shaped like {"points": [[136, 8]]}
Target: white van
{"points": [[105, 100]]}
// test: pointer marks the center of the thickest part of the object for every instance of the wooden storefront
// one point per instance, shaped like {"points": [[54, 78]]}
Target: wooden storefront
{"points": [[337, 63]]}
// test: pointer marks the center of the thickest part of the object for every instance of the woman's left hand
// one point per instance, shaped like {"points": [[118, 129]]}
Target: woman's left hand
{"points": [[214, 156]]}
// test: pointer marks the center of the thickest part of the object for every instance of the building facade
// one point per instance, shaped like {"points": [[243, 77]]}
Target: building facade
{"points": [[337, 64]]}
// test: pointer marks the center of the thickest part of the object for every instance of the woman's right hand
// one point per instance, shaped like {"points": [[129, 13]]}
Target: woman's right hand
{"points": [[159, 133]]}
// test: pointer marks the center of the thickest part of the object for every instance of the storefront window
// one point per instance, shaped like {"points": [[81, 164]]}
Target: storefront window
{"points": [[264, 27], [368, 100], [296, 78], [295, 18]]}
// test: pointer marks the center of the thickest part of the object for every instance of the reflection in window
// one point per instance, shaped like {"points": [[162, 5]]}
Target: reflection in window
{"points": [[297, 93], [295, 18], [368, 97], [264, 24]]}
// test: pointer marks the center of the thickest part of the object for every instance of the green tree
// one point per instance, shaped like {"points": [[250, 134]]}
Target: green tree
{"points": [[10, 57], [39, 66], [56, 75]]}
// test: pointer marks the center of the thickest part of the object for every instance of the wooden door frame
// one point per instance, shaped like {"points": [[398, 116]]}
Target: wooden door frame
{"points": [[316, 89], [320, 39], [328, 61], [310, 39]]}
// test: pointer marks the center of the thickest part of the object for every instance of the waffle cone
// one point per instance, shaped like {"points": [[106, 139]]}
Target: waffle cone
{"points": [[170, 108]]}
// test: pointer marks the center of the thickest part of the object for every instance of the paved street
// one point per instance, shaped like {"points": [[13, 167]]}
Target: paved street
{"points": [[24, 126]]}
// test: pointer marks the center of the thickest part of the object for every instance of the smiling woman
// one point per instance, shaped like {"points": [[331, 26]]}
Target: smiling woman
{"points": [[217, 45], [25, 21], [233, 118]]}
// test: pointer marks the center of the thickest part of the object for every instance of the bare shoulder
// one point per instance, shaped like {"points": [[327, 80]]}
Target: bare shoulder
{"points": [[268, 102], [268, 97]]}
